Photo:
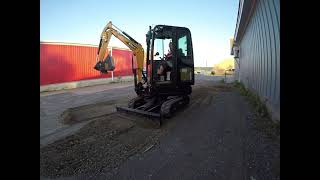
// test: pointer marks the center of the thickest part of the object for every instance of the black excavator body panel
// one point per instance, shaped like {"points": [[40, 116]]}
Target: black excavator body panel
{"points": [[169, 73]]}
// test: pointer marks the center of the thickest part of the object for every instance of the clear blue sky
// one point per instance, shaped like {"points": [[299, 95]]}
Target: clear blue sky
{"points": [[211, 22]]}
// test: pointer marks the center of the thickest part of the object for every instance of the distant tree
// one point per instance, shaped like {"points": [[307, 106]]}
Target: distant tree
{"points": [[223, 65]]}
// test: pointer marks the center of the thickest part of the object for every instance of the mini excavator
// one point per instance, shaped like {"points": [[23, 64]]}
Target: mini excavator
{"points": [[162, 80]]}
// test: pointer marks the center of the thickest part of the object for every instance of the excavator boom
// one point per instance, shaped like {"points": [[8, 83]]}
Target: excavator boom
{"points": [[132, 44]]}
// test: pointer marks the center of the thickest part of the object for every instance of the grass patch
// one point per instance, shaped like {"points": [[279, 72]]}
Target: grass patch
{"points": [[254, 100], [262, 118]]}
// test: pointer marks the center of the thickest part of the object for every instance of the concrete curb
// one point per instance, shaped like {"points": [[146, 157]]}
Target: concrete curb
{"points": [[84, 83]]}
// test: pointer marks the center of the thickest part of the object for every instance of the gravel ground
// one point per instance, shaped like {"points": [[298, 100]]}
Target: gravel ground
{"points": [[218, 136], [262, 149], [99, 146]]}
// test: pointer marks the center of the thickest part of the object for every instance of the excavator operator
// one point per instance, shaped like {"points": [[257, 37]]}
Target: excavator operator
{"points": [[166, 64]]}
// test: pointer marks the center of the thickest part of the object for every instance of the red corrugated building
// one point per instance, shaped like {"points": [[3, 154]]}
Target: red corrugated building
{"points": [[65, 62]]}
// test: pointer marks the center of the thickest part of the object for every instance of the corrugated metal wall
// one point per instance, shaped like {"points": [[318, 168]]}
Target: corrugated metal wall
{"points": [[260, 53], [64, 63]]}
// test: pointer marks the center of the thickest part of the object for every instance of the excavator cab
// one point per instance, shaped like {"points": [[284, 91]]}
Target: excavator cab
{"points": [[170, 57]]}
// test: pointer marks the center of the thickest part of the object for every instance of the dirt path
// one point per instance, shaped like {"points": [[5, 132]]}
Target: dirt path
{"points": [[215, 137], [53, 105]]}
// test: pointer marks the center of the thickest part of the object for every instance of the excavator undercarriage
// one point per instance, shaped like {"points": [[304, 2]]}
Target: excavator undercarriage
{"points": [[156, 107]]}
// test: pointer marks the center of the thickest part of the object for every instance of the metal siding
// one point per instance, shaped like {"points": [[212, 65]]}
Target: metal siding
{"points": [[273, 52], [263, 51], [276, 4], [248, 77], [255, 54], [260, 52], [65, 63], [276, 12], [252, 56], [254, 80], [246, 62], [258, 59], [250, 64], [254, 63], [268, 59], [276, 46]]}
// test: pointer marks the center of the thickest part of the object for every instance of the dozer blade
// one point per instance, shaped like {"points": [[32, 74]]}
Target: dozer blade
{"points": [[137, 111]]}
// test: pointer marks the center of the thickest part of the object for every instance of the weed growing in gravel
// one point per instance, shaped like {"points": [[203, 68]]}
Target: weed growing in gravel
{"points": [[262, 117]]}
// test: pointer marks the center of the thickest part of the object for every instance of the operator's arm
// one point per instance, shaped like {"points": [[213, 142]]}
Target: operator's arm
{"points": [[168, 56]]}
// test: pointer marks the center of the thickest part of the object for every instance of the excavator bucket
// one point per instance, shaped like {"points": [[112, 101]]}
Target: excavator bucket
{"points": [[155, 108], [106, 65], [100, 67], [155, 117], [137, 111], [109, 63], [147, 107]]}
